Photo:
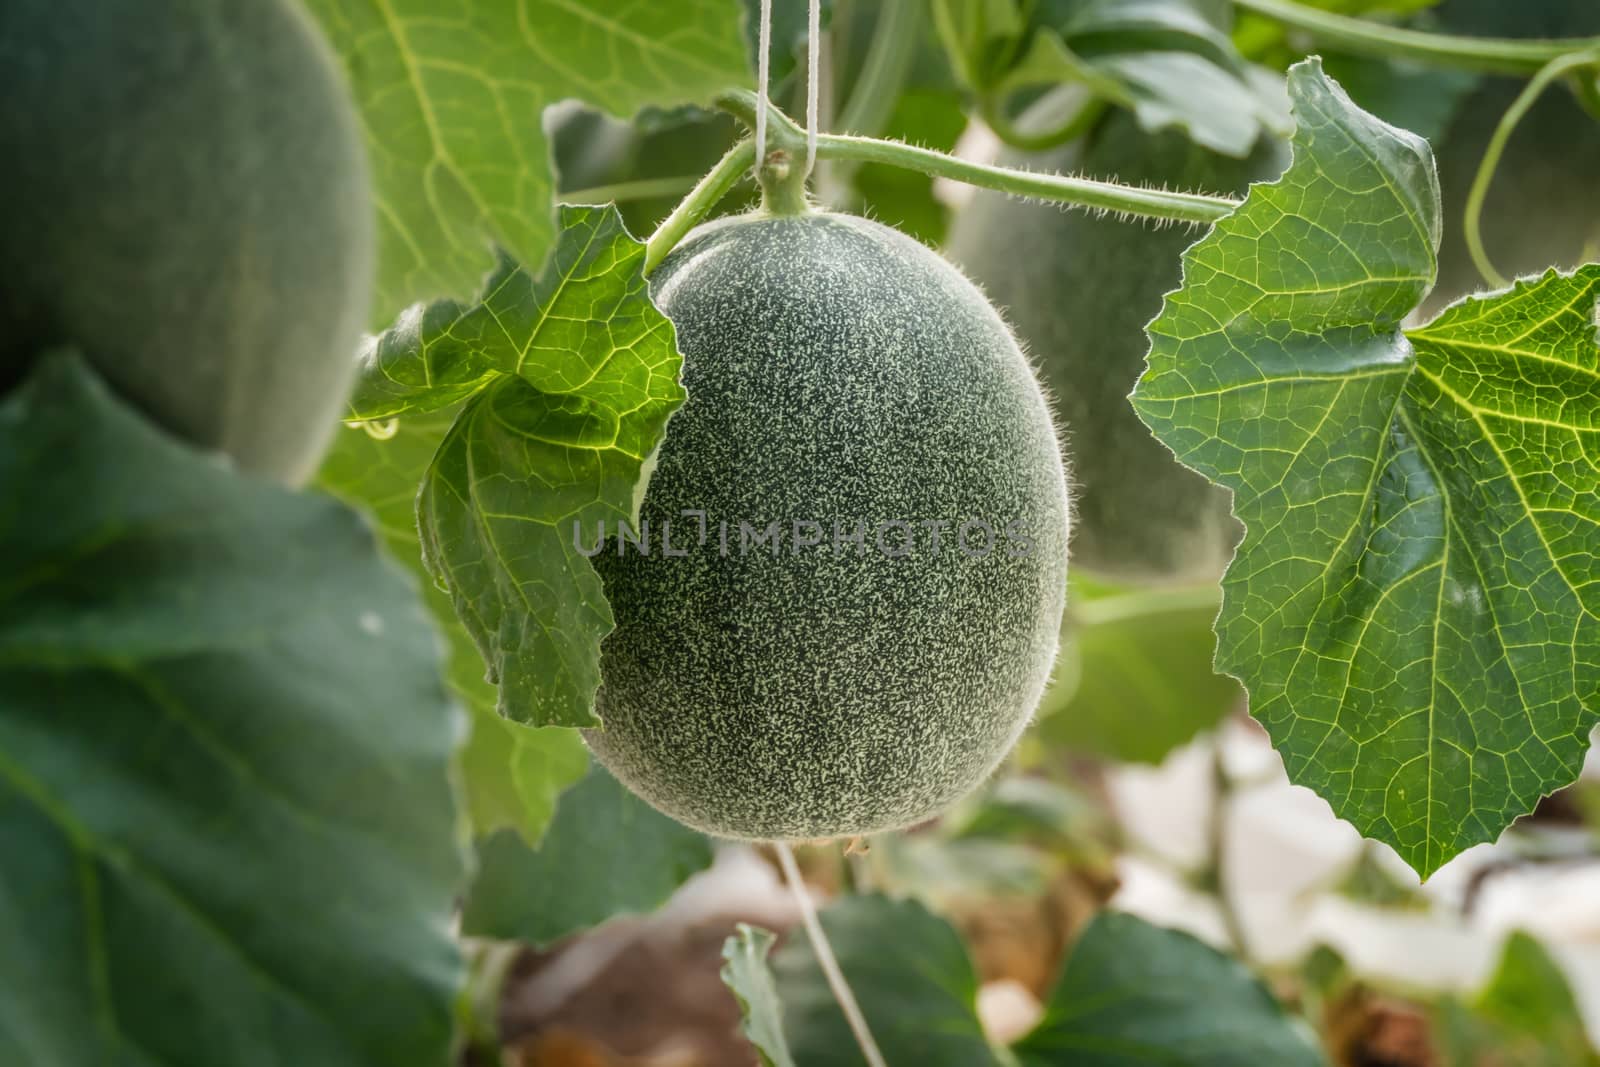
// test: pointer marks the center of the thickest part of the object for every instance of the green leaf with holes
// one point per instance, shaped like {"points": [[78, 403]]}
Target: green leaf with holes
{"points": [[451, 94], [511, 774], [226, 823], [572, 376], [1415, 609]]}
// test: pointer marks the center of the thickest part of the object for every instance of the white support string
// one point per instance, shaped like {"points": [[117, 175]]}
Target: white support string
{"points": [[826, 960], [813, 82], [763, 72]]}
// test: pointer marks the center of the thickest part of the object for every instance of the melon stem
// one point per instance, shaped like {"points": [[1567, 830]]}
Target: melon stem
{"points": [[783, 185]]}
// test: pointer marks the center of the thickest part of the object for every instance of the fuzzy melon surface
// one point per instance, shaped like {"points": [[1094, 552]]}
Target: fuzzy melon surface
{"points": [[186, 201], [838, 372], [1079, 291]]}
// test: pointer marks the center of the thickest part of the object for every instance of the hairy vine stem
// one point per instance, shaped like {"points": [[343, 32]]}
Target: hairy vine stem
{"points": [[1081, 192], [784, 136], [1472, 223], [1489, 55], [701, 199]]}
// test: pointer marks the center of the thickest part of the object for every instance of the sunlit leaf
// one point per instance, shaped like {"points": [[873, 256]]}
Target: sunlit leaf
{"points": [[451, 94], [1414, 607]]}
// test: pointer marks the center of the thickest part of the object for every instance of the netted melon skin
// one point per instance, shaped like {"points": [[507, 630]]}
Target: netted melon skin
{"points": [[187, 203], [837, 370]]}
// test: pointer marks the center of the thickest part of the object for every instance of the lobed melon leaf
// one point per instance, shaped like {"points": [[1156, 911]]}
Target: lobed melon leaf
{"points": [[577, 373], [1170, 62], [1415, 609], [1130, 995]]}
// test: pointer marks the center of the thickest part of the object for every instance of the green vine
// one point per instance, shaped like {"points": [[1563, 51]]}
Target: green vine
{"points": [[1489, 55], [1472, 228]]}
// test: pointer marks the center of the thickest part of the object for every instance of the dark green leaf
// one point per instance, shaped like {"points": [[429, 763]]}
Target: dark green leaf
{"points": [[587, 374], [1415, 608], [451, 95], [745, 971], [1136, 995], [910, 974], [607, 853], [1135, 679], [1526, 1016], [226, 824], [511, 774]]}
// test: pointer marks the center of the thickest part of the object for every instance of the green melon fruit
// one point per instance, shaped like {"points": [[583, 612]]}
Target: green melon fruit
{"points": [[186, 201], [1079, 291], [1543, 209], [839, 373]]}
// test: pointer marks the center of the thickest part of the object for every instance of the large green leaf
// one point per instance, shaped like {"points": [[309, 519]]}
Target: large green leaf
{"points": [[511, 774], [745, 972], [1414, 607], [451, 93], [226, 827], [1135, 680], [1168, 61], [1527, 1016], [584, 374], [607, 853], [1137, 995], [910, 974]]}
